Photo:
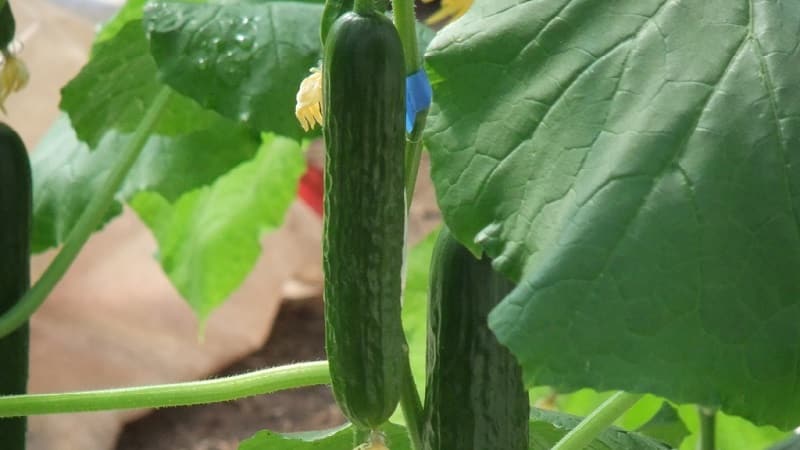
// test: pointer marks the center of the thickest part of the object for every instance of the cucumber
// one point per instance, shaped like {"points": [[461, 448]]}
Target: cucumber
{"points": [[364, 220], [7, 25], [15, 226], [475, 397]]}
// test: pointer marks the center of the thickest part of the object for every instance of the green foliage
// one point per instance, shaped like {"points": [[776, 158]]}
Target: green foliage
{"points": [[67, 174], [336, 439], [631, 164], [115, 89], [209, 238], [732, 433], [546, 428], [666, 426], [244, 60]]}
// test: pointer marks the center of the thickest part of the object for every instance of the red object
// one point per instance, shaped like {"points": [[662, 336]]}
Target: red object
{"points": [[312, 189]]}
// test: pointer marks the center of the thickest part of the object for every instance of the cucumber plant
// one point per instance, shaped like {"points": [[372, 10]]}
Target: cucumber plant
{"points": [[630, 166]]}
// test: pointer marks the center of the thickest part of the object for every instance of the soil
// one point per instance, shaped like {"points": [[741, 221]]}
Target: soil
{"points": [[298, 335]]}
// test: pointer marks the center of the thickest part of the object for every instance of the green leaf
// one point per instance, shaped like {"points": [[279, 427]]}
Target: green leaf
{"points": [[732, 433], [548, 427], [666, 426], [115, 89], [66, 174], [631, 163], [130, 11], [245, 60], [209, 238], [792, 443], [336, 439]]}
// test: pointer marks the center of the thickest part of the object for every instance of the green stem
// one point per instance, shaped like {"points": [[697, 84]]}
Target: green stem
{"points": [[601, 418], [182, 394], [88, 222], [364, 6], [707, 428], [406, 23], [411, 405], [414, 154]]}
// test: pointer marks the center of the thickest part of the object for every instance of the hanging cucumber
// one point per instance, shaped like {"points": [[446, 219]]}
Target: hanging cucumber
{"points": [[15, 225], [7, 25], [364, 224], [474, 395]]}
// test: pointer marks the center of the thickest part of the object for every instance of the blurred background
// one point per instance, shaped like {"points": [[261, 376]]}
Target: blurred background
{"points": [[115, 320]]}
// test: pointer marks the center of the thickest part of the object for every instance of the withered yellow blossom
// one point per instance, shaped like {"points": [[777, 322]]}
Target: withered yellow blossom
{"points": [[309, 100], [450, 10], [13, 76]]}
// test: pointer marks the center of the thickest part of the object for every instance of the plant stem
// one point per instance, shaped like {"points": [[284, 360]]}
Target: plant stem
{"points": [[406, 23], [411, 405], [601, 418], [707, 428], [364, 6], [181, 394], [414, 154], [87, 223]]}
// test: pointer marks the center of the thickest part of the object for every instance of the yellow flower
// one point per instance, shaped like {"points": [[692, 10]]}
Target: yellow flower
{"points": [[450, 10], [13, 76], [309, 100], [377, 441]]}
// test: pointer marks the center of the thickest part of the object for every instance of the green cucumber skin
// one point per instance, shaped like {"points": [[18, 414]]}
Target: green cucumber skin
{"points": [[474, 397], [15, 211], [7, 25], [364, 221]]}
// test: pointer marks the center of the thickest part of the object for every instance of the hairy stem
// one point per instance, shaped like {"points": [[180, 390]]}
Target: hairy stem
{"points": [[414, 154], [87, 223], [601, 418], [406, 24], [181, 394]]}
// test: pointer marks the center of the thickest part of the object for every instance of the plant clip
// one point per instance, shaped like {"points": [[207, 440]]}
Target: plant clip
{"points": [[418, 96]]}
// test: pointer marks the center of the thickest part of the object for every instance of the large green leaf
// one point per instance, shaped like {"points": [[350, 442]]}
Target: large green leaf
{"points": [[732, 433], [633, 164], [336, 439], [66, 174], [209, 238], [546, 429], [116, 88], [244, 60]]}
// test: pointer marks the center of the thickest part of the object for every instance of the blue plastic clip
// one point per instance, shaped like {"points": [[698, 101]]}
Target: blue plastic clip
{"points": [[418, 96]]}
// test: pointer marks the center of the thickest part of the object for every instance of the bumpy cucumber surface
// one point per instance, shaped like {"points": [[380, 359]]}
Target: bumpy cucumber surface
{"points": [[15, 225], [475, 398], [364, 107]]}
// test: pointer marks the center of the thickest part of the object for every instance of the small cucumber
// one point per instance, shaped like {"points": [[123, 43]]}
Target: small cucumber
{"points": [[364, 221], [474, 395], [15, 226]]}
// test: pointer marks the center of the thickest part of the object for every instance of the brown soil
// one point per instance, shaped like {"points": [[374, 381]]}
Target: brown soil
{"points": [[297, 336]]}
